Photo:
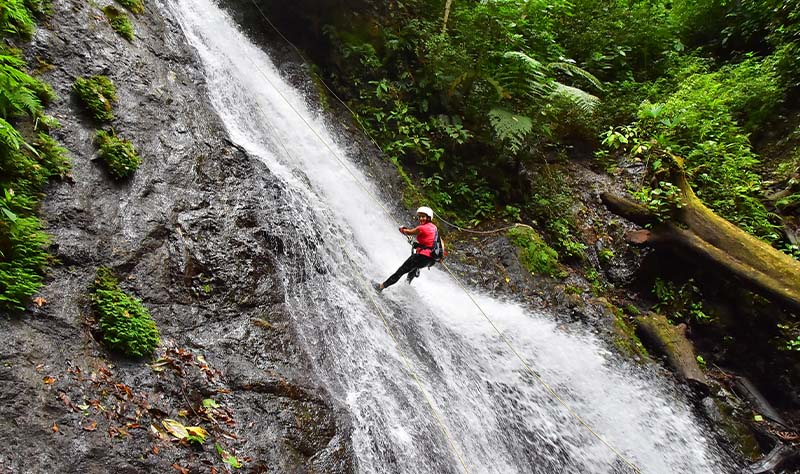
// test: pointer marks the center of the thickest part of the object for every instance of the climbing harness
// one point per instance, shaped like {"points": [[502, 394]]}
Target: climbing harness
{"points": [[409, 367]]}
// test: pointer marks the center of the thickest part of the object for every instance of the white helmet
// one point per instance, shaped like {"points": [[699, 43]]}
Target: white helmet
{"points": [[426, 210]]}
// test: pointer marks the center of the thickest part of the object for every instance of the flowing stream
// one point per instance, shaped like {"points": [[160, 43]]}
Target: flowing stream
{"points": [[429, 384]]}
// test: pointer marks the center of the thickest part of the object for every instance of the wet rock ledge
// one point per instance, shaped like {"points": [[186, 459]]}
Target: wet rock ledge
{"points": [[184, 235]]}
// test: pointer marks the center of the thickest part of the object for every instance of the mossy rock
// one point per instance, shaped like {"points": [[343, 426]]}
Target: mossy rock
{"points": [[119, 21], [125, 324], [97, 94], [119, 155], [535, 255]]}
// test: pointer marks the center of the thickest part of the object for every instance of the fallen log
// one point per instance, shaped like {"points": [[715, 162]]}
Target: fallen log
{"points": [[671, 341], [781, 455], [698, 233]]}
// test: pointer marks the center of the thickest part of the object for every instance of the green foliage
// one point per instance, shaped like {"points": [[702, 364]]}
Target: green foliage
{"points": [[662, 200], [16, 19], [27, 161], [125, 324], [510, 128], [699, 122], [701, 362], [40, 8], [119, 21], [597, 284], [616, 40], [682, 302], [97, 94], [605, 255], [134, 6], [20, 94], [118, 154], [534, 253], [22, 258], [790, 336], [551, 204]]}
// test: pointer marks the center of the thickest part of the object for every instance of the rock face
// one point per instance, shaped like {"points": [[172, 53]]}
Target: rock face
{"points": [[184, 235]]}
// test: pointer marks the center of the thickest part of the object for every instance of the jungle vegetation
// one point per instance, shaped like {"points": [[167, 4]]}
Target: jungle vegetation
{"points": [[475, 102], [29, 157]]}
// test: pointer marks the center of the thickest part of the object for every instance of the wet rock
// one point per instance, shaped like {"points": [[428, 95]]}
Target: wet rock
{"points": [[184, 235]]}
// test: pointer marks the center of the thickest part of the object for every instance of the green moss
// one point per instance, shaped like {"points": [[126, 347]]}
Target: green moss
{"points": [[125, 324], [625, 338], [535, 255], [134, 6], [118, 154], [97, 94], [119, 21]]}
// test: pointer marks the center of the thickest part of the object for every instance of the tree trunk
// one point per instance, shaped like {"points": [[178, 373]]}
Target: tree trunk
{"points": [[446, 14], [701, 235], [672, 342]]}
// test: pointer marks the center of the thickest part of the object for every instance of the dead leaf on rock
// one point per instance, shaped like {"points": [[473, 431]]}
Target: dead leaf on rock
{"points": [[64, 398], [175, 428], [39, 367], [39, 301], [55, 427], [158, 433], [180, 469], [91, 426], [48, 380]]}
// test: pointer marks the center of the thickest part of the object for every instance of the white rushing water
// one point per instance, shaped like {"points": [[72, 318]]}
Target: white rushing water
{"points": [[498, 418]]}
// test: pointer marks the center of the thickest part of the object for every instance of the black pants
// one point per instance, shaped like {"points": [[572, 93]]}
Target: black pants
{"points": [[413, 262]]}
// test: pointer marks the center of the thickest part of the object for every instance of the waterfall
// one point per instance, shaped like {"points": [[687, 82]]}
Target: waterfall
{"points": [[429, 385]]}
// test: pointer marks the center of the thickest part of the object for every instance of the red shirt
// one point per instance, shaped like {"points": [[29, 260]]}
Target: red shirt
{"points": [[426, 237]]}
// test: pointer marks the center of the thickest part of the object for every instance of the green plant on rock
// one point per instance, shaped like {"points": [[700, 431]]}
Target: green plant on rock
{"points": [[22, 257], [119, 155], [790, 336], [119, 21], [16, 19], [679, 302], [28, 158], [97, 94], [125, 324], [535, 255], [134, 6], [605, 255]]}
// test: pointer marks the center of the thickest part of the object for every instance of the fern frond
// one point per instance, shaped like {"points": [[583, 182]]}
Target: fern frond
{"points": [[15, 99], [9, 136], [510, 127], [581, 99], [13, 61], [524, 76], [15, 19], [532, 64], [575, 71]]}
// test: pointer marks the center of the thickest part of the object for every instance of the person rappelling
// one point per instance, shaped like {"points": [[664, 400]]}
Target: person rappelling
{"points": [[427, 250]]}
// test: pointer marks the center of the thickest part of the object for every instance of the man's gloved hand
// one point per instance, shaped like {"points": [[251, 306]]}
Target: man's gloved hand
{"points": [[402, 229]]}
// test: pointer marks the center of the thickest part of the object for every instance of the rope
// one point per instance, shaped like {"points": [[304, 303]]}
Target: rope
{"points": [[413, 373], [493, 231], [536, 376], [369, 290]]}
